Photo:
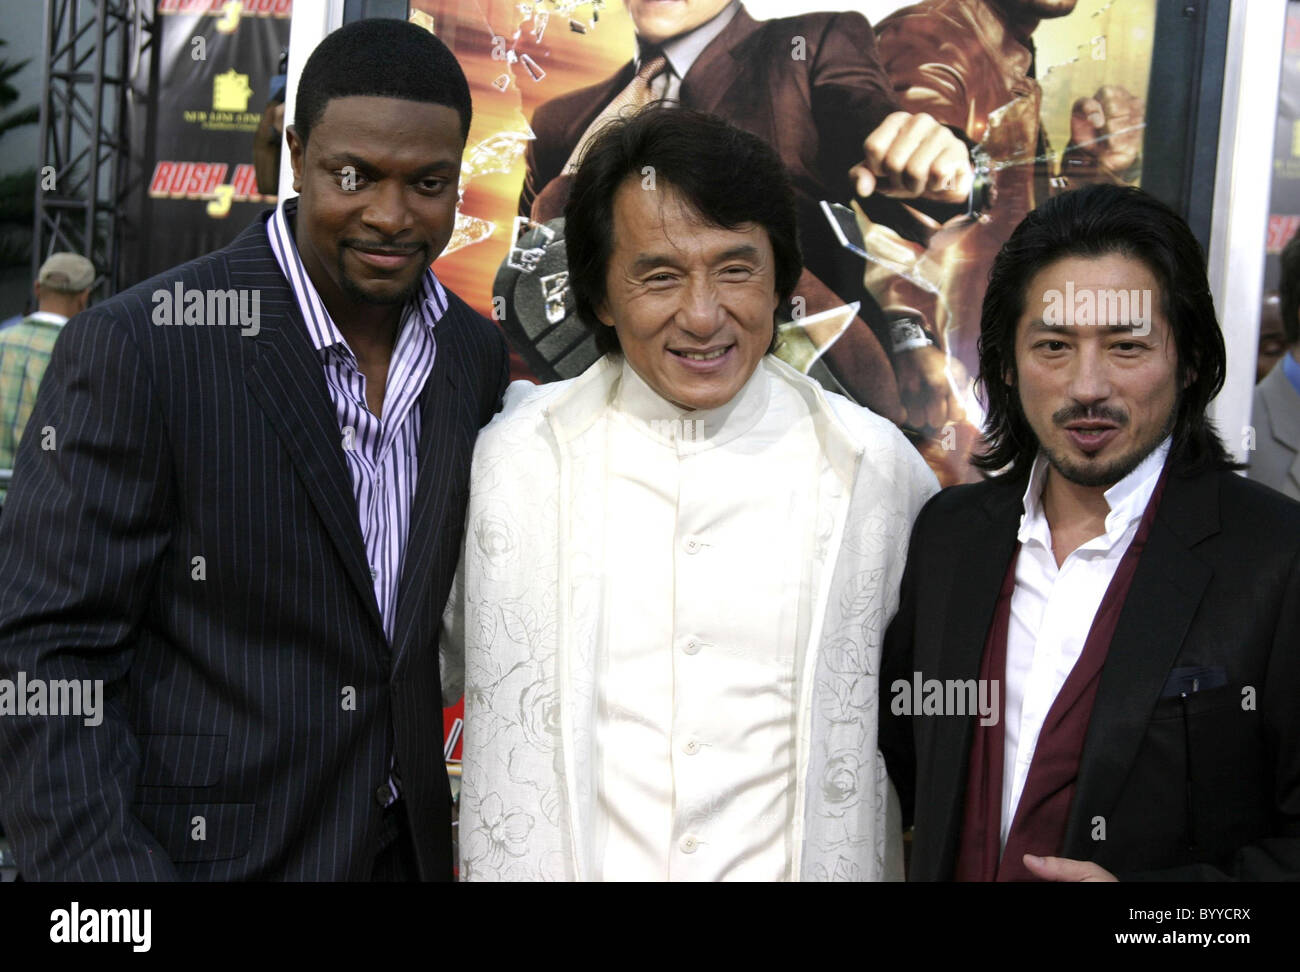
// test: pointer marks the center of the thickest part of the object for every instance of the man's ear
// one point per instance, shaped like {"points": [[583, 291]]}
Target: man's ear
{"points": [[297, 153], [603, 315]]}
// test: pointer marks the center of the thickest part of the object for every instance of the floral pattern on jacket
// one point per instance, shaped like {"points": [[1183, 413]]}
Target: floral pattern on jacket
{"points": [[522, 624]]}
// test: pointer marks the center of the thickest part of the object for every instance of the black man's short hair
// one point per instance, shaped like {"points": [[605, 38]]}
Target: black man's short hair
{"points": [[380, 58]]}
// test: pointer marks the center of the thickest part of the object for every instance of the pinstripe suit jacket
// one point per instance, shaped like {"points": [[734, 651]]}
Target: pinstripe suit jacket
{"points": [[192, 540]]}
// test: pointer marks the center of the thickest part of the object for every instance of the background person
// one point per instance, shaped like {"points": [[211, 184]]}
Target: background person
{"points": [[1275, 414], [62, 291]]}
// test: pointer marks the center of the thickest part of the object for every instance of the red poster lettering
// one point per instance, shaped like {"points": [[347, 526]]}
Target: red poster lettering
{"points": [[162, 172]]}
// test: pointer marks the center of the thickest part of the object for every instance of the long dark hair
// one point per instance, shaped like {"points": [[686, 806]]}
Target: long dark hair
{"points": [[1092, 222]]}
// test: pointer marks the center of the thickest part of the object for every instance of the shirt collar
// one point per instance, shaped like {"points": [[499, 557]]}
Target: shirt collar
{"points": [[1127, 500], [428, 305], [682, 51], [1291, 368], [47, 317], [690, 430]]}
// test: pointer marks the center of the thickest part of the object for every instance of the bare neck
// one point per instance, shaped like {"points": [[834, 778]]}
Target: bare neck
{"points": [[1075, 514]]}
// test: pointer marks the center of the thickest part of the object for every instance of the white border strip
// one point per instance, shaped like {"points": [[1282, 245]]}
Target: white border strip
{"points": [[1242, 182], [310, 22]]}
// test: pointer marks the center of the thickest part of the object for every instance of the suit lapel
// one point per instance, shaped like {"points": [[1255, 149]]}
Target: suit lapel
{"points": [[1281, 398], [288, 382], [971, 599], [601, 96], [446, 440], [710, 79], [1161, 603], [1283, 416]]}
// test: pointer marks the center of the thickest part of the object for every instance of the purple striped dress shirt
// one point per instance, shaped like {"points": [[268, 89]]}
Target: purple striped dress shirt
{"points": [[382, 454]]}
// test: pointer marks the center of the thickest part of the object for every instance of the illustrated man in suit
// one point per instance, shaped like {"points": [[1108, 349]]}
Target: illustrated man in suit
{"points": [[971, 64], [1276, 413], [246, 534], [1126, 605], [812, 87]]}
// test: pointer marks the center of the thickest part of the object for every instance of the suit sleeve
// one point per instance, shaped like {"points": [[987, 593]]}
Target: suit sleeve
{"points": [[896, 662], [85, 528], [851, 93], [503, 376], [541, 156], [451, 643], [928, 71], [1275, 858]]}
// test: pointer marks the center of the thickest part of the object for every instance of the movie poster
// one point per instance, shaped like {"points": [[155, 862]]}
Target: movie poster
{"points": [[1284, 196], [1049, 93], [216, 62]]}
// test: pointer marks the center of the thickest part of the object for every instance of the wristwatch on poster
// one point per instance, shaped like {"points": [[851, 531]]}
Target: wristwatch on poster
{"points": [[906, 332]]}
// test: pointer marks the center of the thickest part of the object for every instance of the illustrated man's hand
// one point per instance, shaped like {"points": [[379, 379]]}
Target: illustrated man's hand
{"points": [[912, 156], [924, 387], [1065, 869], [1108, 127], [277, 118]]}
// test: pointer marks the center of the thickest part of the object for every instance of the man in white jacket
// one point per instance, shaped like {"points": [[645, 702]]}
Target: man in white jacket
{"points": [[678, 566]]}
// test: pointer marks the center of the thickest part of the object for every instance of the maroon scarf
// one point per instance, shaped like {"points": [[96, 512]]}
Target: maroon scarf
{"points": [[1044, 808]]}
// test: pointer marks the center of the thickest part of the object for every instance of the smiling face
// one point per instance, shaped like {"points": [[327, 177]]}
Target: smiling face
{"points": [[377, 184], [693, 304], [659, 20], [1099, 396]]}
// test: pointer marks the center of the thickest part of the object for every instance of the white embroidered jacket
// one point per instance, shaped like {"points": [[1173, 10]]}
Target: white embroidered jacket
{"points": [[521, 627]]}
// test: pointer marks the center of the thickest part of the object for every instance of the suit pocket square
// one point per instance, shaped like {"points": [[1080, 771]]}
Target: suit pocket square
{"points": [[1189, 681]]}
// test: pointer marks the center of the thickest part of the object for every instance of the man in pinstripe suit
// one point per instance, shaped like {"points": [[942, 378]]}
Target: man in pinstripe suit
{"points": [[248, 533]]}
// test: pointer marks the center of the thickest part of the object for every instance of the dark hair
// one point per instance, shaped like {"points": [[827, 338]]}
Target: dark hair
{"points": [[1289, 289], [1092, 222], [383, 58], [728, 176]]}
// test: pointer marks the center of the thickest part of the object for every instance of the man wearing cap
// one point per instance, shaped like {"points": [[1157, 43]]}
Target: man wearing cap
{"points": [[62, 290]]}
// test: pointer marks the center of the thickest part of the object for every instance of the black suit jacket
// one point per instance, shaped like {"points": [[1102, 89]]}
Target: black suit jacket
{"points": [[193, 541], [1206, 793]]}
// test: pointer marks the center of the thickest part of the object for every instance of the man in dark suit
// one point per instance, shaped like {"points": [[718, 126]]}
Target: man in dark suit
{"points": [[1276, 410], [1098, 675], [812, 87], [245, 535]]}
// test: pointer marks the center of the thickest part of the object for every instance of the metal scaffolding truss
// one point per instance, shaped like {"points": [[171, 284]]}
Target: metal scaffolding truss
{"points": [[93, 51]]}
